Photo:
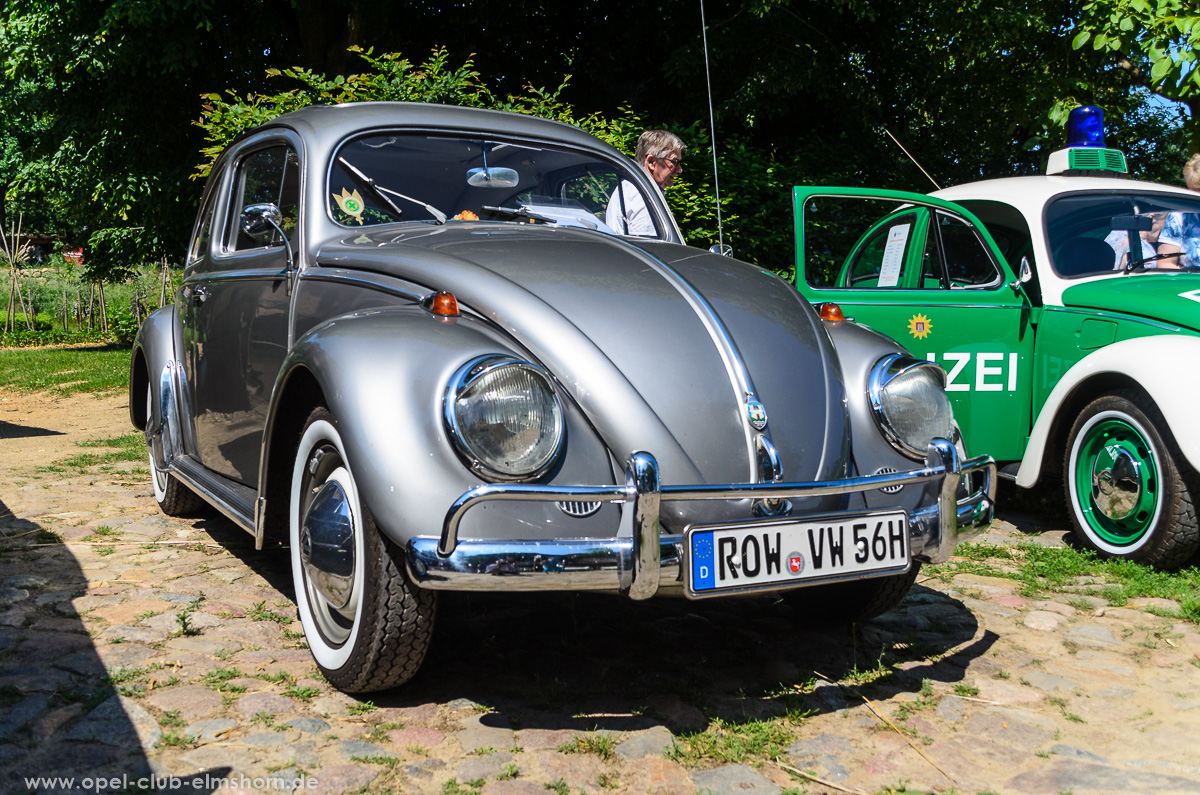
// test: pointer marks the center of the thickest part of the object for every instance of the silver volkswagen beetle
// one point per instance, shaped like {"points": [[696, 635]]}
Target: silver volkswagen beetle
{"points": [[408, 347]]}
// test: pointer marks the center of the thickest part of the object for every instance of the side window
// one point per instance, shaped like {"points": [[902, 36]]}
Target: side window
{"points": [[267, 176], [200, 244], [967, 260], [932, 266], [592, 190], [880, 260]]}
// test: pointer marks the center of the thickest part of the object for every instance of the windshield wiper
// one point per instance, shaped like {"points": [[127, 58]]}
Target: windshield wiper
{"points": [[520, 212], [1140, 265], [383, 192]]}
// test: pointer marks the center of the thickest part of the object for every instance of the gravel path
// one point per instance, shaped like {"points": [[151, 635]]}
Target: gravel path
{"points": [[136, 645]]}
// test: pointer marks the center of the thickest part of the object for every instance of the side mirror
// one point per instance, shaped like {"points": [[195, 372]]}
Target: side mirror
{"points": [[724, 249], [261, 221], [1024, 275]]}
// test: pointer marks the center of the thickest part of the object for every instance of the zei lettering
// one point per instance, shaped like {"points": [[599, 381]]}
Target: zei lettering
{"points": [[994, 372]]}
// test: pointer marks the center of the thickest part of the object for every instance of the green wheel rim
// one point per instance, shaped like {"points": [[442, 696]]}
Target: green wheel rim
{"points": [[1117, 480]]}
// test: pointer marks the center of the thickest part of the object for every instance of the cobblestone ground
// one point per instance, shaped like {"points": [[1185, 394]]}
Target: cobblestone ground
{"points": [[133, 645]]}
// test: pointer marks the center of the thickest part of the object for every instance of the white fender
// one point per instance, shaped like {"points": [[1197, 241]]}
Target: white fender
{"points": [[1165, 366]]}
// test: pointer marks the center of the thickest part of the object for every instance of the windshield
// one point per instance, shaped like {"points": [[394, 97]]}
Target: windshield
{"points": [[1095, 233], [388, 177]]}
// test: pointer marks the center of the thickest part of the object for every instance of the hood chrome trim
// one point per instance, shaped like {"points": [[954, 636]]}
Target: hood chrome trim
{"points": [[735, 365]]}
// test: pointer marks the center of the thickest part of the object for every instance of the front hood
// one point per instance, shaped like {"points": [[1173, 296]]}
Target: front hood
{"points": [[1168, 297], [650, 339]]}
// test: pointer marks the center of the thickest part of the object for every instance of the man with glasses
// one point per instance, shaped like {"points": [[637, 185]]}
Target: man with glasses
{"points": [[660, 154]]}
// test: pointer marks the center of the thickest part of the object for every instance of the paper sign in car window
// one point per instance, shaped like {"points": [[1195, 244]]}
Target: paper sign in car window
{"points": [[893, 255]]}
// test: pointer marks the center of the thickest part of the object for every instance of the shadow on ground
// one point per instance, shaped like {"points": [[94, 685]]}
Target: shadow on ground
{"points": [[582, 662], [64, 713], [9, 430]]}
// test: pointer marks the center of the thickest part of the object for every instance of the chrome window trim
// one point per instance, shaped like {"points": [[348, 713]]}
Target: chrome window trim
{"points": [[466, 375]]}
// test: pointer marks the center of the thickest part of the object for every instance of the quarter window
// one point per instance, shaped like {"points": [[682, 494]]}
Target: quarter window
{"points": [[967, 261], [267, 176]]}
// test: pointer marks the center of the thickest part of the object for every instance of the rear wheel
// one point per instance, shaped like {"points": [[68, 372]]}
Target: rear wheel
{"points": [[853, 601], [1126, 491], [173, 498], [368, 626]]}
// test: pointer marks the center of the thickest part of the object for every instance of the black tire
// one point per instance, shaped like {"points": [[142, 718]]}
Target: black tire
{"points": [[1129, 490], [173, 498], [378, 638], [845, 602]]}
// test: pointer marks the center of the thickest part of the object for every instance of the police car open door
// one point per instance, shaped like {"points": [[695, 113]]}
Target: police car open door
{"points": [[925, 272]]}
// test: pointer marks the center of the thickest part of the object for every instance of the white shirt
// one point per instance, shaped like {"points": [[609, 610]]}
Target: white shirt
{"points": [[637, 220], [1118, 239]]}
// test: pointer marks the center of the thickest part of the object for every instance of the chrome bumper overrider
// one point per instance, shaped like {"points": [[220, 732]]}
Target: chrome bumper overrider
{"points": [[640, 558]]}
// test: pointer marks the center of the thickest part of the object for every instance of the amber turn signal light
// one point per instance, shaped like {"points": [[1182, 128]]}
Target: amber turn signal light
{"points": [[830, 311], [444, 303]]}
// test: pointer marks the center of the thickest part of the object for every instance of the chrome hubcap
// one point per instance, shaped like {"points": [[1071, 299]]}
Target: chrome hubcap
{"points": [[1116, 482], [327, 545]]}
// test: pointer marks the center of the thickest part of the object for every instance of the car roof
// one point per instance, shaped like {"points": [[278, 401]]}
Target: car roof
{"points": [[335, 122], [1019, 190]]}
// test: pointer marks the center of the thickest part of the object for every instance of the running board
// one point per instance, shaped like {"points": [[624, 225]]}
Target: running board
{"points": [[231, 498]]}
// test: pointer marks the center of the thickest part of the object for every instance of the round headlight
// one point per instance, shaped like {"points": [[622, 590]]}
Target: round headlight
{"points": [[910, 403], [504, 417]]}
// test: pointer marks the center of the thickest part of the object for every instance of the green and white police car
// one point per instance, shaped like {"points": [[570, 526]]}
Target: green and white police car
{"points": [[1065, 310]]}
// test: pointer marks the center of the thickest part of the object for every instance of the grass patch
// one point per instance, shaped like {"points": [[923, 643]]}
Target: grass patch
{"points": [[725, 743], [126, 447], [65, 371], [305, 693], [260, 612], [602, 745], [219, 679], [1050, 569], [361, 708]]}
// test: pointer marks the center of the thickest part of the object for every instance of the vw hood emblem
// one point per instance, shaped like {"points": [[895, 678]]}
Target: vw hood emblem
{"points": [[757, 414]]}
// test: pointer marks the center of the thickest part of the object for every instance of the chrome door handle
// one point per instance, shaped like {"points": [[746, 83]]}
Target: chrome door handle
{"points": [[199, 295]]}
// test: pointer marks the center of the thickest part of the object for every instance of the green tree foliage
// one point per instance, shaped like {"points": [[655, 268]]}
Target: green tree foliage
{"points": [[98, 97], [1152, 43]]}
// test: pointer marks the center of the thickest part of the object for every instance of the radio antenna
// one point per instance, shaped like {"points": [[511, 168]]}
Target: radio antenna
{"points": [[712, 129]]}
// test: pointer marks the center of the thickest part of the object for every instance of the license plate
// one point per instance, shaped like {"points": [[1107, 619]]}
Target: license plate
{"points": [[778, 552]]}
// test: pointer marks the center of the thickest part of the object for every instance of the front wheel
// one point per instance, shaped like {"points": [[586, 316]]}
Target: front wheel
{"points": [[368, 626], [1128, 489]]}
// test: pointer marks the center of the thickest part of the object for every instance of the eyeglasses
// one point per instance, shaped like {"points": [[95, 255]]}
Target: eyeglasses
{"points": [[673, 162]]}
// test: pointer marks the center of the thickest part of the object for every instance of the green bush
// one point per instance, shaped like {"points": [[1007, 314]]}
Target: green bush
{"points": [[123, 326], [41, 322]]}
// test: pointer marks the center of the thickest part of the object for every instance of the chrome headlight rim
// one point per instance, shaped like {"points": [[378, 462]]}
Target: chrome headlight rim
{"points": [[462, 379], [886, 370]]}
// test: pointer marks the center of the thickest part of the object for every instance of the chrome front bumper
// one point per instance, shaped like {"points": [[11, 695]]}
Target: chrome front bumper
{"points": [[640, 561]]}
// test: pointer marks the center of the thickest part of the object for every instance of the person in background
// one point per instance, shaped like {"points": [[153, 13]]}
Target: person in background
{"points": [[1118, 239], [660, 154], [1181, 234]]}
